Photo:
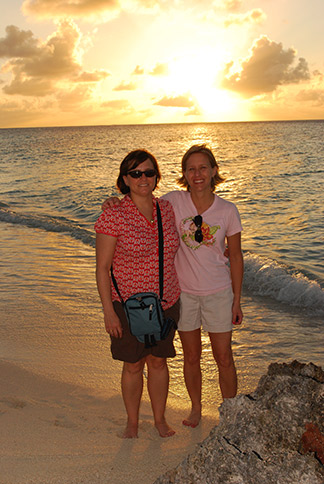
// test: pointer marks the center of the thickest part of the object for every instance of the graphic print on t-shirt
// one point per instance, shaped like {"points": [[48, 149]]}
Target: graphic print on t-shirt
{"points": [[188, 229]]}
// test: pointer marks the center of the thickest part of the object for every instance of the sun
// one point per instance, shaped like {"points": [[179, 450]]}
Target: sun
{"points": [[196, 74]]}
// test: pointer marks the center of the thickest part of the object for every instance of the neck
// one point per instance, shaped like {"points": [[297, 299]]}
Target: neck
{"points": [[202, 201], [142, 201], [144, 205]]}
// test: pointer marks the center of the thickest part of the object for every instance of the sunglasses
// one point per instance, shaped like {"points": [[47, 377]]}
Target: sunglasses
{"points": [[139, 173], [199, 236]]}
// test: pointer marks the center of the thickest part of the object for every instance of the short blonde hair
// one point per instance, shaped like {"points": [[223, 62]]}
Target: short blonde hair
{"points": [[204, 149]]}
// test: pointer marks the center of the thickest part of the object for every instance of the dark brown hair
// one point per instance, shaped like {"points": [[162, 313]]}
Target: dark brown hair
{"points": [[130, 162], [216, 180]]}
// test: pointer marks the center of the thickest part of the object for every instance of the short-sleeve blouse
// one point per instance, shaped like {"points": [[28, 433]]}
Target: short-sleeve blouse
{"points": [[136, 257]]}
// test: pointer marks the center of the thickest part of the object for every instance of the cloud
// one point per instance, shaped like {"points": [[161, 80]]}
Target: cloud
{"points": [[160, 69], [255, 16], [195, 111], [93, 76], [40, 68], [18, 43], [125, 86], [267, 67], [74, 99], [313, 96], [138, 71], [120, 106], [89, 10], [86, 9], [182, 101], [231, 4], [29, 87]]}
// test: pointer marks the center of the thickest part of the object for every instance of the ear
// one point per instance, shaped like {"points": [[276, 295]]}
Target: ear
{"points": [[125, 180]]}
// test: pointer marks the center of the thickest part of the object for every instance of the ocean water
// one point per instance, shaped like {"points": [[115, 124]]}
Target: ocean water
{"points": [[52, 184]]}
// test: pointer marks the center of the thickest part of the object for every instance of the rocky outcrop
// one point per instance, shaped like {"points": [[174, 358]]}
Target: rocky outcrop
{"points": [[260, 438]]}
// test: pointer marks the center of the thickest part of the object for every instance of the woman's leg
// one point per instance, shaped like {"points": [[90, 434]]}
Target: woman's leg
{"points": [[158, 387], [222, 351], [132, 388], [191, 344]]}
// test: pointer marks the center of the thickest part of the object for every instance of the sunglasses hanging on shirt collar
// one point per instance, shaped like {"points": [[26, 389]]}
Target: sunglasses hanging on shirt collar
{"points": [[199, 236]]}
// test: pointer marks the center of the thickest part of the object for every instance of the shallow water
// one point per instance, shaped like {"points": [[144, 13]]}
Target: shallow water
{"points": [[52, 184]]}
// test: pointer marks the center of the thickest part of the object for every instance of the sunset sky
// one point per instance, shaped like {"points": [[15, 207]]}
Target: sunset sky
{"points": [[90, 62]]}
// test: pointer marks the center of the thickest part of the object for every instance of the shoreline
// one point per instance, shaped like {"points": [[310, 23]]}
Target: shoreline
{"points": [[58, 433]]}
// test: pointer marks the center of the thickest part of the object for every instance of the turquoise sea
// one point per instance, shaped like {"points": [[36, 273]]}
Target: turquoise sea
{"points": [[52, 184]]}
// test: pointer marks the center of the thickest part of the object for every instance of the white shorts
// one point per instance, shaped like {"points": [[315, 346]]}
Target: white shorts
{"points": [[212, 312]]}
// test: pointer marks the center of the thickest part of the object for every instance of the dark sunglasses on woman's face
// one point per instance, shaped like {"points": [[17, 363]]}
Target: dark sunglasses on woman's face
{"points": [[139, 173], [199, 236]]}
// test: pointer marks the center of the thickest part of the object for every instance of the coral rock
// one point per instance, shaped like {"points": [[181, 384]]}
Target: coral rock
{"points": [[260, 437]]}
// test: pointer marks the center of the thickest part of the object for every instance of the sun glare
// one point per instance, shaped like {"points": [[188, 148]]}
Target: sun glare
{"points": [[195, 74]]}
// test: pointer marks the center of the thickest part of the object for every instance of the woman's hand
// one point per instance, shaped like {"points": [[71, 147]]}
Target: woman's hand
{"points": [[237, 314], [110, 202], [113, 325]]}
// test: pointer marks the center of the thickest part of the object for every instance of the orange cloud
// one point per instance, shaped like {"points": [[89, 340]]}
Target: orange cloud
{"points": [[39, 68], [267, 67], [231, 4], [255, 16], [93, 76], [125, 86], [70, 8], [18, 43], [183, 101], [116, 104], [160, 70], [313, 96], [138, 71]]}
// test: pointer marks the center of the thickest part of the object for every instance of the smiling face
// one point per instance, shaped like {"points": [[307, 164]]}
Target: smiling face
{"points": [[199, 172], [144, 185]]}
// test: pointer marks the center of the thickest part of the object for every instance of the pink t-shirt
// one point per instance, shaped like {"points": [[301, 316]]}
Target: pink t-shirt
{"points": [[136, 257], [202, 267]]}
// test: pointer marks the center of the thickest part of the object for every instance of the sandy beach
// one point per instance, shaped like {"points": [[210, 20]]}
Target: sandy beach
{"points": [[53, 432]]}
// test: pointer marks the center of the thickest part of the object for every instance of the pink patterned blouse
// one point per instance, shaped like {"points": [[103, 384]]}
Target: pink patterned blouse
{"points": [[136, 258]]}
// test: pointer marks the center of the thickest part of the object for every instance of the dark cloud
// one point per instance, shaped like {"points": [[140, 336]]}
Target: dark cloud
{"points": [[18, 43], [315, 97], [29, 87], [268, 66], [37, 67]]}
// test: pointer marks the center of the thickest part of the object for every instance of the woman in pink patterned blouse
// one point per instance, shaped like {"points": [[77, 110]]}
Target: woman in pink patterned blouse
{"points": [[127, 238]]}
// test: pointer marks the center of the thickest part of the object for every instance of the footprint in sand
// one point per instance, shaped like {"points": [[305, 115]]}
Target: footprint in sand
{"points": [[12, 402], [62, 421]]}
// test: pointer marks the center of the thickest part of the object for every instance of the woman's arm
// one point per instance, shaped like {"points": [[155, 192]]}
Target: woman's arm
{"points": [[236, 265], [105, 248]]}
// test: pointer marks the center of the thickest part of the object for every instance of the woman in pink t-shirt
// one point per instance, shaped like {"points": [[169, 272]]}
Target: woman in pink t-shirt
{"points": [[127, 238], [210, 290]]}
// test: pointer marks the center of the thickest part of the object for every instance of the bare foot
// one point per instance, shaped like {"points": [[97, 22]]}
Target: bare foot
{"points": [[193, 419], [130, 432], [164, 429]]}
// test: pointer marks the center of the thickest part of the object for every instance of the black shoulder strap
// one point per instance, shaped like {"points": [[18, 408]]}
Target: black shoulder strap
{"points": [[115, 284], [161, 257], [161, 249]]}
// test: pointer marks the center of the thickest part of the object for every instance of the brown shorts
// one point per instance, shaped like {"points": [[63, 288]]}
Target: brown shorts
{"points": [[129, 349]]}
